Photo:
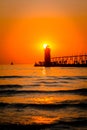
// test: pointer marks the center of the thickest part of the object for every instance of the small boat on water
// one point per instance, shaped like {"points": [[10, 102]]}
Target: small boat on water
{"points": [[12, 63]]}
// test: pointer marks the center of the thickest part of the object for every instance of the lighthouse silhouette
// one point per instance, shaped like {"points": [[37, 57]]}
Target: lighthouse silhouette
{"points": [[47, 56]]}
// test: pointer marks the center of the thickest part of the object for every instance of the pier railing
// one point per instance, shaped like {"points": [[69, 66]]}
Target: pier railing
{"points": [[76, 59]]}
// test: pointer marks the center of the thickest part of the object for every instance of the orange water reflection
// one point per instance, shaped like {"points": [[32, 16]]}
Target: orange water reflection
{"points": [[43, 119], [41, 79], [39, 99], [40, 116]]}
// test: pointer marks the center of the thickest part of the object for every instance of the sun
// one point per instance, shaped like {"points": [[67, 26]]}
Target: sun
{"points": [[45, 45]]}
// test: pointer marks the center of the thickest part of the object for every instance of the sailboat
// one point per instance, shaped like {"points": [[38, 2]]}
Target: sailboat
{"points": [[12, 63]]}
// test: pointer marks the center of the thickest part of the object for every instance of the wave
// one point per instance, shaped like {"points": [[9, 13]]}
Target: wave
{"points": [[75, 123], [71, 124], [7, 77], [48, 77], [66, 77], [82, 91], [64, 104], [10, 86], [70, 78]]}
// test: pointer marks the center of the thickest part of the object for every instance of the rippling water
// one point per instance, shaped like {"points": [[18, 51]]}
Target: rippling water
{"points": [[43, 98]]}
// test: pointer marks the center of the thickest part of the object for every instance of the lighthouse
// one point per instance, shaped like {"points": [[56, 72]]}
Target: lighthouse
{"points": [[63, 61], [47, 57]]}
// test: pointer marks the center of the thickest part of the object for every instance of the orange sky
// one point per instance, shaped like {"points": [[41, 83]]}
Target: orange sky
{"points": [[25, 26]]}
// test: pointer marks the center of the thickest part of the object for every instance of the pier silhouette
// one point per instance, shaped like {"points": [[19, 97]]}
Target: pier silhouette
{"points": [[62, 61]]}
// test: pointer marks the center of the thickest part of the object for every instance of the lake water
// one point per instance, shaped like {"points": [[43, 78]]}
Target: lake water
{"points": [[42, 98]]}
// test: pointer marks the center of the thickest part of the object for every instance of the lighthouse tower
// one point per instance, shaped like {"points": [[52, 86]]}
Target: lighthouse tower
{"points": [[47, 57]]}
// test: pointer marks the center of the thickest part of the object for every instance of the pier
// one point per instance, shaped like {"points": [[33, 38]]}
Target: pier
{"points": [[62, 61], [76, 59]]}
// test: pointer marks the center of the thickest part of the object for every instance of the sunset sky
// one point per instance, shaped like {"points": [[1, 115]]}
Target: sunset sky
{"points": [[25, 25]]}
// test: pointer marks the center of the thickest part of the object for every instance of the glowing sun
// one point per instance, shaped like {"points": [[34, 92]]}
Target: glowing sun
{"points": [[45, 45]]}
